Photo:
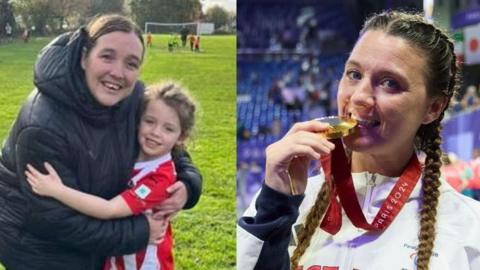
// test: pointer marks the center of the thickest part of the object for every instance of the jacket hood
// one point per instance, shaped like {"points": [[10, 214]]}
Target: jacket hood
{"points": [[58, 74]]}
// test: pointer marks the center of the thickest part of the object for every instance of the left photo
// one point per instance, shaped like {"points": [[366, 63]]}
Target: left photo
{"points": [[117, 132]]}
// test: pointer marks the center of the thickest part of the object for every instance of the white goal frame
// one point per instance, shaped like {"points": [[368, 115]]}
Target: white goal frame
{"points": [[200, 27], [197, 24]]}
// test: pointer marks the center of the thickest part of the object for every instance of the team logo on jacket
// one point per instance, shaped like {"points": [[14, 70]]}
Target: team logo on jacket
{"points": [[413, 255]]}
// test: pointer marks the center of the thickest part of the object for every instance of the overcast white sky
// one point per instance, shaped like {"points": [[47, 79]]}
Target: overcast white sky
{"points": [[230, 5]]}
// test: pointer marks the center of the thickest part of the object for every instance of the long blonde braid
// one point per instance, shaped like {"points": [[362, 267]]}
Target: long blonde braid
{"points": [[429, 141], [311, 223], [428, 212]]}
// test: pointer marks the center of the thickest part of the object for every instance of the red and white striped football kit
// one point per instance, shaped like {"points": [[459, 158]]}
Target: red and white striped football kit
{"points": [[150, 182]]}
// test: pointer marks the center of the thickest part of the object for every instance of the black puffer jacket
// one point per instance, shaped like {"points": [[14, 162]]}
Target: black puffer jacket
{"points": [[92, 147]]}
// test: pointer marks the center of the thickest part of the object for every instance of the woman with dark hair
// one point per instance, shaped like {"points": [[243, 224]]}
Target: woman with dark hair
{"points": [[392, 212], [82, 119]]}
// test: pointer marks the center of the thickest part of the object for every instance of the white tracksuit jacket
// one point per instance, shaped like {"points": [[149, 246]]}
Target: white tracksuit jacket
{"points": [[265, 231]]}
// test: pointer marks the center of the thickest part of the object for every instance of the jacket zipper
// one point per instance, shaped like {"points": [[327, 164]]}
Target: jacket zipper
{"points": [[368, 194], [351, 245]]}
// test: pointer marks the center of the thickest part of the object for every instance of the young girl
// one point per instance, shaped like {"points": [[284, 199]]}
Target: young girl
{"points": [[166, 122]]}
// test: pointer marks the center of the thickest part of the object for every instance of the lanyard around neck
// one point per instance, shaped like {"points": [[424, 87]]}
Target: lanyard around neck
{"points": [[338, 176]]}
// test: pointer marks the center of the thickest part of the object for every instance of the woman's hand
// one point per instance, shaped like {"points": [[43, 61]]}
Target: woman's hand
{"points": [[44, 184], [290, 156], [174, 203]]}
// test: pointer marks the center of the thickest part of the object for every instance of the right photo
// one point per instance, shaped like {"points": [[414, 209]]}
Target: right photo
{"points": [[358, 144]]}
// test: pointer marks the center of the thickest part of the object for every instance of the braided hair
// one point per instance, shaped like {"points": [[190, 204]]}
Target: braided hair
{"points": [[441, 76], [311, 223]]}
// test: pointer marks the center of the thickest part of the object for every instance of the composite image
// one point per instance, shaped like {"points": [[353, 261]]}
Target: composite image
{"points": [[239, 134]]}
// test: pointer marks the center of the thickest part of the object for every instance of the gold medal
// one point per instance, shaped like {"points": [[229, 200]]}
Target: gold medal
{"points": [[341, 126]]}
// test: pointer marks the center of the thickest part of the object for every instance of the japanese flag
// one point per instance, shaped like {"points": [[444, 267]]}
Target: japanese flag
{"points": [[472, 44]]}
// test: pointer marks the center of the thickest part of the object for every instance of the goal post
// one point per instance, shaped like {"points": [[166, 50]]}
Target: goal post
{"points": [[168, 28], [195, 28], [174, 36]]}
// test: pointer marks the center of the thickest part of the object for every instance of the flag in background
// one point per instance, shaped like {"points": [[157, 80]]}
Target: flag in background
{"points": [[459, 47], [472, 44]]}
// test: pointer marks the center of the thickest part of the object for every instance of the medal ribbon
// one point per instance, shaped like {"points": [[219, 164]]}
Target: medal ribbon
{"points": [[338, 176]]}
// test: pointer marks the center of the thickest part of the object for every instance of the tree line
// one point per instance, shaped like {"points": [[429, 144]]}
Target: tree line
{"points": [[44, 17]]}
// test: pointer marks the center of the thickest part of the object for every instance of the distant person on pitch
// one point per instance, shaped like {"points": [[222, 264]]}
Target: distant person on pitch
{"points": [[197, 44], [149, 40], [191, 39], [183, 36]]}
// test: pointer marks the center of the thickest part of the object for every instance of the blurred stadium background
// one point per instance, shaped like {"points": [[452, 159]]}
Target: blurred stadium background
{"points": [[290, 57]]}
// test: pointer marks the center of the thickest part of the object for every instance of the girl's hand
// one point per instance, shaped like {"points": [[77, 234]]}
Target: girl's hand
{"points": [[158, 227], [44, 184], [291, 156]]}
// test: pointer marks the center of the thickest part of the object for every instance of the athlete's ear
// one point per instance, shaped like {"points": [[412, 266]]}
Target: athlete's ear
{"points": [[435, 108]]}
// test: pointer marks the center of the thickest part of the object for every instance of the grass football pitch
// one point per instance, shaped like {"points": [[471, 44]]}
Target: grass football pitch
{"points": [[205, 235]]}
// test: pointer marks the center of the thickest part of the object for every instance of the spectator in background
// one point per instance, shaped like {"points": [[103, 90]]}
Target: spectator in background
{"points": [[470, 100], [8, 31], [294, 95], [475, 167], [26, 35], [455, 106], [243, 133], [275, 92], [276, 128], [242, 172], [453, 171]]}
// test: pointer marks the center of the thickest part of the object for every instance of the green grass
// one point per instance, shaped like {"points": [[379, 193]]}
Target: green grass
{"points": [[205, 235]]}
